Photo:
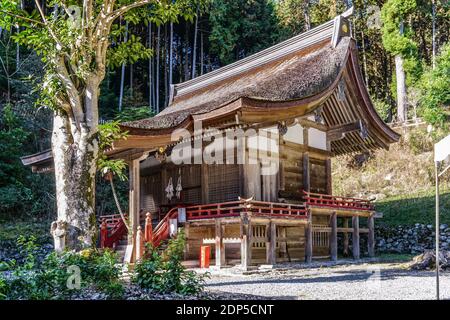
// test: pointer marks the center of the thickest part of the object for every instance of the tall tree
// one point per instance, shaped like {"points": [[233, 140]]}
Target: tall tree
{"points": [[240, 28], [397, 40], [75, 46]]}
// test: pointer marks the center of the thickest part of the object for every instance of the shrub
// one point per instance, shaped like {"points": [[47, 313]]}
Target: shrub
{"points": [[49, 279], [164, 273]]}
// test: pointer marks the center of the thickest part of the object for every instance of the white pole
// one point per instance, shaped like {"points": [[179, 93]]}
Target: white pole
{"points": [[437, 230]]}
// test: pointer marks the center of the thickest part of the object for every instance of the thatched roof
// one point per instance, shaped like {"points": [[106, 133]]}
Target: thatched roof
{"points": [[299, 75]]}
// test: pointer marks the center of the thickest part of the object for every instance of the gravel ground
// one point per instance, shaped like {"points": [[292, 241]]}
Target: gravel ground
{"points": [[386, 281]]}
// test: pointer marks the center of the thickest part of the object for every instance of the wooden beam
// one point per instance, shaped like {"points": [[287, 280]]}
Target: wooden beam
{"points": [[371, 236], [338, 132], [220, 248], [271, 258], [355, 239], [333, 237]]}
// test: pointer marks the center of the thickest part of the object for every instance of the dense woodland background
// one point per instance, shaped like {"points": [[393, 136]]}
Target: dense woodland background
{"points": [[221, 32]]}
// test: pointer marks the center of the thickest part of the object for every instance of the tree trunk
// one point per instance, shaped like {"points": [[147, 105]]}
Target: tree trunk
{"points": [[171, 55], [401, 89], [194, 50], [158, 42], [75, 154], [150, 75], [122, 76], [202, 55]]}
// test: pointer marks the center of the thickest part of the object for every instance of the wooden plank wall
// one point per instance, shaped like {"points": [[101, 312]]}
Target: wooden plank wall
{"points": [[318, 174], [291, 171], [223, 182]]}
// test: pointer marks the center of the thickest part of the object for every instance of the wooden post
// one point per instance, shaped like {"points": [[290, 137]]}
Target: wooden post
{"points": [[246, 240], [355, 239], [371, 235], [308, 240], [148, 228], [271, 257], [333, 237], [139, 244], [220, 252], [134, 201], [103, 233], [346, 238], [283, 244]]}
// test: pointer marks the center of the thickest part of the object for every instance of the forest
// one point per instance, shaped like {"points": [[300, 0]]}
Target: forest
{"points": [[181, 40]]}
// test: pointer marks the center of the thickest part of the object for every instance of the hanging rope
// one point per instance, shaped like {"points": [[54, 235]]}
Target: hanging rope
{"points": [[116, 200]]}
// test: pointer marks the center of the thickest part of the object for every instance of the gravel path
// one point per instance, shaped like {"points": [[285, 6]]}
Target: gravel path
{"points": [[391, 281]]}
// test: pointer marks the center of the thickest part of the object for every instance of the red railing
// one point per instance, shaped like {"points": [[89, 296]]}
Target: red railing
{"points": [[161, 231], [234, 208], [112, 230], [325, 200]]}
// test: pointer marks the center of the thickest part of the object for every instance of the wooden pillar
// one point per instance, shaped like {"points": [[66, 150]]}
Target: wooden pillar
{"points": [[139, 244], [246, 241], [333, 237], [308, 240], [270, 252], [220, 252], [371, 236], [355, 239], [282, 244], [346, 239], [134, 201]]}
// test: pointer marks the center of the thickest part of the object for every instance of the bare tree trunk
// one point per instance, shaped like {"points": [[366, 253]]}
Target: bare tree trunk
{"points": [[122, 76], [401, 86], [306, 15], [131, 80], [186, 53], [194, 50], [202, 56], [150, 71], [166, 56], [401, 89], [433, 36], [158, 43], [171, 55], [366, 78]]}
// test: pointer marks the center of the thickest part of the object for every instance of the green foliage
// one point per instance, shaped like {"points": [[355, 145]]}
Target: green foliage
{"points": [[164, 272], [49, 279], [383, 109], [393, 14], [108, 133], [239, 28], [435, 89], [131, 114]]}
